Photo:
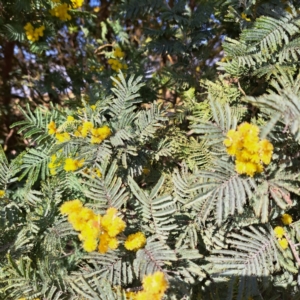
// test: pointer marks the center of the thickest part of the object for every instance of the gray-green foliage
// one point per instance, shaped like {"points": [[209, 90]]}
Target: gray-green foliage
{"points": [[209, 229]]}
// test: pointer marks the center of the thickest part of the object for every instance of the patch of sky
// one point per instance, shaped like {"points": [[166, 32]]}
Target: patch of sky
{"points": [[94, 3]]}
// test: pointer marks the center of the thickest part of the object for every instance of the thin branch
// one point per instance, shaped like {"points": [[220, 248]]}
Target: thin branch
{"points": [[292, 246], [103, 46]]}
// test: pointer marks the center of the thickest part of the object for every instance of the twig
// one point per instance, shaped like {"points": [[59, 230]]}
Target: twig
{"points": [[7, 138], [103, 46], [240, 88], [293, 249]]}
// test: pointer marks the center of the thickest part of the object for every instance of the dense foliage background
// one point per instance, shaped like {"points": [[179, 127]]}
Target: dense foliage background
{"points": [[167, 132]]}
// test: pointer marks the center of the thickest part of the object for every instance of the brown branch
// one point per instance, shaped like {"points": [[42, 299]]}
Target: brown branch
{"points": [[103, 46]]}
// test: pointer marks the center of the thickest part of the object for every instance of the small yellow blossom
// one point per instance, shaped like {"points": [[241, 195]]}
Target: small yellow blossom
{"points": [[106, 243], [111, 223], [63, 137], [119, 53], [286, 219], [52, 127], [73, 206], [2, 193], [70, 118], [77, 3], [244, 16], [61, 11], [90, 245], [135, 241], [73, 164], [155, 283], [250, 153], [130, 295], [143, 295], [100, 134], [279, 232], [77, 132], [34, 34], [86, 128], [76, 221], [283, 243]]}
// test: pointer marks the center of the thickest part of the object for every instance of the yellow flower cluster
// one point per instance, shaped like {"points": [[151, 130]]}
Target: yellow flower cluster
{"points": [[116, 64], [77, 3], [34, 34], [73, 164], [135, 241], [97, 134], [279, 233], [60, 136], [286, 219], [52, 127], [2, 193], [250, 152], [61, 11], [154, 287], [53, 164], [95, 230]]}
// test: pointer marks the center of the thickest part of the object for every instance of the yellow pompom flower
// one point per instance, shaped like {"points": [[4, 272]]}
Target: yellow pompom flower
{"points": [[119, 53], [283, 243], [130, 295], [111, 223], [103, 244], [113, 243], [266, 151], [77, 132], [135, 241], [279, 232], [104, 132], [33, 34], [86, 128], [89, 231], [61, 11], [77, 223], [73, 164], [90, 245], [63, 137], [2, 193], [77, 3], [286, 219], [142, 295], [100, 134], [52, 127], [73, 206], [70, 118], [249, 152], [86, 214], [155, 283]]}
